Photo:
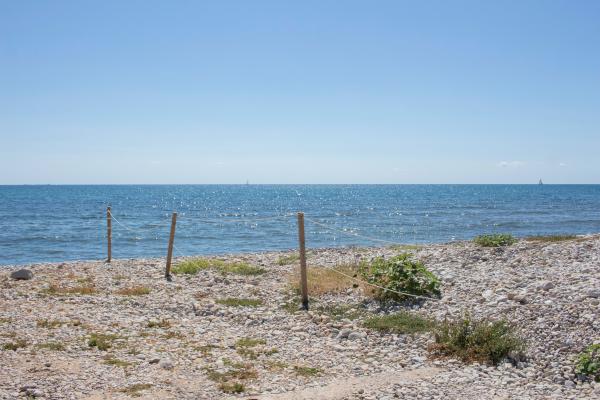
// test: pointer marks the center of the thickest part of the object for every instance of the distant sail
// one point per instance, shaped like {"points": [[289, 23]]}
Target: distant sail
{"points": [[540, 182]]}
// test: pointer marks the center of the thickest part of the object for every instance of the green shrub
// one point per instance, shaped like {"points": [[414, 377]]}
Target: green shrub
{"points": [[402, 322], [495, 240], [588, 363], [481, 341], [239, 302], [399, 274]]}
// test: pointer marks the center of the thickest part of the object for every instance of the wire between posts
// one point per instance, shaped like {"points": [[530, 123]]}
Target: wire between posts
{"points": [[134, 230], [350, 233], [238, 220], [381, 287]]}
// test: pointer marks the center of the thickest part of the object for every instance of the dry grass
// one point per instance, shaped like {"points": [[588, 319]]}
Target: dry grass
{"points": [[54, 289], [133, 291], [322, 280], [552, 238]]}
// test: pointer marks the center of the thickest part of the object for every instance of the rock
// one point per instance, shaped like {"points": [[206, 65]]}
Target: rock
{"points": [[594, 293], [22, 275], [354, 336], [344, 333], [166, 364], [546, 286], [154, 361]]}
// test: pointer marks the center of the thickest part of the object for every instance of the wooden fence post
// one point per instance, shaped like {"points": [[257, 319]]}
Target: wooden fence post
{"points": [[170, 250], [109, 234], [303, 275]]}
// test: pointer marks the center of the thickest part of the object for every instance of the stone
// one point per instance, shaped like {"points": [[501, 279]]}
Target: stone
{"points": [[594, 293], [22, 275], [344, 333], [166, 364], [354, 336], [547, 286]]}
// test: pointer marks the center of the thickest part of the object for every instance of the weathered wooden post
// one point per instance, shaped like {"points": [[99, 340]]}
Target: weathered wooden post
{"points": [[109, 234], [170, 250], [303, 275]]}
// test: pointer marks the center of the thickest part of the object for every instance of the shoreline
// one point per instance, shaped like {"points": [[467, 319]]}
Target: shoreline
{"points": [[545, 289]]}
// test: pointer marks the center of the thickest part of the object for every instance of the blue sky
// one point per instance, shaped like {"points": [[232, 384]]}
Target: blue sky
{"points": [[299, 92]]}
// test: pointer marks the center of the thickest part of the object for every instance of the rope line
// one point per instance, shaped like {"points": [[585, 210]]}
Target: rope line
{"points": [[134, 230], [350, 233]]}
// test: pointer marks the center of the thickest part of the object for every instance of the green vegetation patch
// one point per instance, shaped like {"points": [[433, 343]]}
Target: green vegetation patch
{"points": [[134, 390], [54, 346], [551, 238], [401, 323], [398, 275], [49, 323], [232, 380], [14, 346], [133, 291], [306, 371], [101, 341], [240, 302], [56, 290], [588, 363], [192, 267], [482, 341], [116, 362], [288, 259], [163, 323], [495, 240]]}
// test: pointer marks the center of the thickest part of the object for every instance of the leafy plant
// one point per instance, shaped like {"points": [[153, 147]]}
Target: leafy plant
{"points": [[588, 363], [399, 274], [495, 240], [481, 341]]}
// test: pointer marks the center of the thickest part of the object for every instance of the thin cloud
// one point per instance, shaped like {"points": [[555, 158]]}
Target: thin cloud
{"points": [[511, 164]]}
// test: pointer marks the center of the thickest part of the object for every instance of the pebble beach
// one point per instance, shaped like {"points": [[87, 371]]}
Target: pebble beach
{"points": [[94, 330]]}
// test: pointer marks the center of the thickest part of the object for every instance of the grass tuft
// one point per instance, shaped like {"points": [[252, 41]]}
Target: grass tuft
{"points": [[306, 371], [239, 302], [56, 290], [231, 380], [322, 280], [400, 323], [550, 238], [192, 267], [288, 259], [134, 390], [163, 323], [133, 291], [54, 346], [49, 323], [101, 341], [14, 346], [116, 362], [482, 341], [495, 240]]}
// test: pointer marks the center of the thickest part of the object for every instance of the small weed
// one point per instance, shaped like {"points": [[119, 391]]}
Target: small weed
{"points": [[206, 349], [250, 342], [174, 335], [306, 371], [588, 363], [14, 346], [5, 320], [275, 365], [163, 323], [495, 240], [54, 346], [133, 291], [134, 390], [481, 341], [239, 302]]}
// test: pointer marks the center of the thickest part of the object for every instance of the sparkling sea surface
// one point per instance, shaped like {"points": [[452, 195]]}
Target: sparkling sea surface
{"points": [[57, 223]]}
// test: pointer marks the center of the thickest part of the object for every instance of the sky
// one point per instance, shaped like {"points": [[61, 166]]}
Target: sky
{"points": [[299, 91]]}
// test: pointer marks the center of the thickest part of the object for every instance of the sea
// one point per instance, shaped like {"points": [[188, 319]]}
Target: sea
{"points": [[53, 223]]}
